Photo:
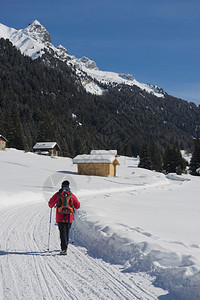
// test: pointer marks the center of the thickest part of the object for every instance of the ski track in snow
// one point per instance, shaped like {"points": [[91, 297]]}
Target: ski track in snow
{"points": [[30, 272]]}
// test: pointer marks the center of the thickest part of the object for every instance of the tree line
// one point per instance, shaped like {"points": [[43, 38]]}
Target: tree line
{"points": [[172, 160]]}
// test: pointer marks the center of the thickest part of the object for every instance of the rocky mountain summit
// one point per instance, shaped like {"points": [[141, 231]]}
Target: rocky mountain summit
{"points": [[35, 41], [38, 32]]}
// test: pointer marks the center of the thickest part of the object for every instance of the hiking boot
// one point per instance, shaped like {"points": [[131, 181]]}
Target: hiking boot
{"points": [[63, 252]]}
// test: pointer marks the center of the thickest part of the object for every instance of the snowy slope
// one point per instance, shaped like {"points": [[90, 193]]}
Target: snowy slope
{"points": [[131, 230], [27, 45], [33, 40]]}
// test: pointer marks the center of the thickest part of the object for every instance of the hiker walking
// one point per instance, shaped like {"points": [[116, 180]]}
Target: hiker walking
{"points": [[65, 203]]}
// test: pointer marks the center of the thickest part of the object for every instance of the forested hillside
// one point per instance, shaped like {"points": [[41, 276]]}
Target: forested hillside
{"points": [[43, 100], [37, 103]]}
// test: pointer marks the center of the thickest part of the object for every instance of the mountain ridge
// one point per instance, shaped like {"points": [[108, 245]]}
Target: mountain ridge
{"points": [[34, 40]]}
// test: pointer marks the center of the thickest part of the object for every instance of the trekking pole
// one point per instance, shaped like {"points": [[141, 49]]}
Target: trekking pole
{"points": [[73, 228], [49, 228]]}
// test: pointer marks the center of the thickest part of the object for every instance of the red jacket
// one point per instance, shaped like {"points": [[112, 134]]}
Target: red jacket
{"points": [[54, 201]]}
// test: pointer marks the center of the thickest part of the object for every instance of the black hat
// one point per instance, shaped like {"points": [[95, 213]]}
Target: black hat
{"points": [[65, 184]]}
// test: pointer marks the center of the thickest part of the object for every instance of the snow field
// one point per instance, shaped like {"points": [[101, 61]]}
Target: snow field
{"points": [[139, 227]]}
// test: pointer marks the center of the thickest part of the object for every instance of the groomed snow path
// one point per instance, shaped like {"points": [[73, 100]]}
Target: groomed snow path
{"points": [[28, 271]]}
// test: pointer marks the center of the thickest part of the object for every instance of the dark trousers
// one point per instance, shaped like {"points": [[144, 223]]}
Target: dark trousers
{"points": [[64, 234]]}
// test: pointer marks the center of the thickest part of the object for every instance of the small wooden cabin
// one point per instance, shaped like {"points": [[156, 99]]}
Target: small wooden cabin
{"points": [[47, 148], [3, 141], [98, 162]]}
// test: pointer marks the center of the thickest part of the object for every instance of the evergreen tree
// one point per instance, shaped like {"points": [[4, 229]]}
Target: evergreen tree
{"points": [[167, 160], [9, 129], [173, 161], [18, 132], [179, 170], [145, 158], [128, 150], [2, 132], [46, 131], [182, 163], [195, 160], [156, 158]]}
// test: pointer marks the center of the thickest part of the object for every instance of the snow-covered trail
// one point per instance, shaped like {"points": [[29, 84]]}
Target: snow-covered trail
{"points": [[28, 271]]}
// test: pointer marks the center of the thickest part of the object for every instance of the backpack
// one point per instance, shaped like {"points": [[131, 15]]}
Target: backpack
{"points": [[65, 204]]}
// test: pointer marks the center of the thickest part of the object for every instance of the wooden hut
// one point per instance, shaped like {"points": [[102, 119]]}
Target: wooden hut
{"points": [[3, 141], [47, 148], [98, 162]]}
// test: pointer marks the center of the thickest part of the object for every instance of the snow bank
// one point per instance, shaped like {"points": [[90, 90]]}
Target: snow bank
{"points": [[172, 269], [10, 199], [173, 176]]}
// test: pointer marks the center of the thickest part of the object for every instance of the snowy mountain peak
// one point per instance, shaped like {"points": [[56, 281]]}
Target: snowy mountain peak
{"points": [[37, 32], [87, 63], [35, 40], [35, 23]]}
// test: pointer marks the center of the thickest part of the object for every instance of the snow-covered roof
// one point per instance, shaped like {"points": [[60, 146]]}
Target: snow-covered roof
{"points": [[1, 136], [93, 158], [44, 145], [104, 152]]}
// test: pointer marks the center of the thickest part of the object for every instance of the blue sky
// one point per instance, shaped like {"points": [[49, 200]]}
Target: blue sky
{"points": [[157, 41]]}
